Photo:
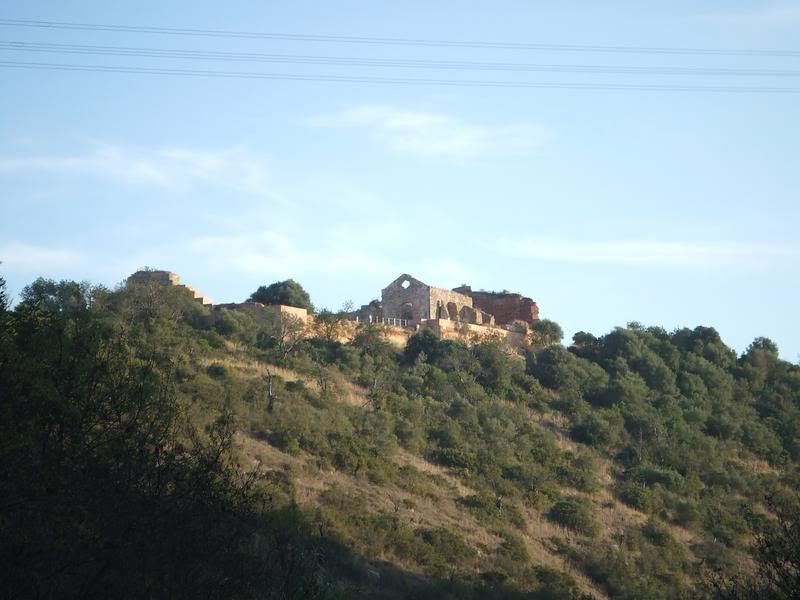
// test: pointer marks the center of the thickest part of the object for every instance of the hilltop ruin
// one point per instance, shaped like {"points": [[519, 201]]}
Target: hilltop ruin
{"points": [[407, 305], [168, 278], [410, 300]]}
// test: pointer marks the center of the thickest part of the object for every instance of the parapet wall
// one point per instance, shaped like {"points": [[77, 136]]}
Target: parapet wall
{"points": [[301, 314], [443, 328], [452, 330]]}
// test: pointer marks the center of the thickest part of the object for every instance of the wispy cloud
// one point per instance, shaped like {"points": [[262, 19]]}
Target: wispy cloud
{"points": [[651, 253], [772, 16], [437, 135], [284, 254], [22, 257], [166, 167], [273, 252]]}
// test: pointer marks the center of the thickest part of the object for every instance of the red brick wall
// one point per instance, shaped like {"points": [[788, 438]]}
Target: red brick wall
{"points": [[506, 307]]}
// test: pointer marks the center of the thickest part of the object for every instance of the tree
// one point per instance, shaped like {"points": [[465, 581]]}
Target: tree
{"points": [[776, 552], [426, 343], [545, 332], [129, 500], [289, 293], [331, 326], [3, 296], [377, 358], [495, 366], [283, 332]]}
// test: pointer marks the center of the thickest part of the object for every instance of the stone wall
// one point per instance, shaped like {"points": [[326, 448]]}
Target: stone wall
{"points": [[239, 306], [409, 298], [406, 298], [168, 278], [446, 304], [506, 307], [162, 277], [301, 314], [451, 314], [470, 333]]}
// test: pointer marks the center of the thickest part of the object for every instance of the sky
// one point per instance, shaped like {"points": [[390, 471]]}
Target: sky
{"points": [[665, 207]]}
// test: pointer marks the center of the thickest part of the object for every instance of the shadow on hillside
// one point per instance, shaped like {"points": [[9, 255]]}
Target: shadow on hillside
{"points": [[350, 575]]}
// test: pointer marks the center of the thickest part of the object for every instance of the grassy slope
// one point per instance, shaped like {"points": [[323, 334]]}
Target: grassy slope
{"points": [[433, 501]]}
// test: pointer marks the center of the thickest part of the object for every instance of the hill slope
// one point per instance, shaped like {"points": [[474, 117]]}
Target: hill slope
{"points": [[634, 465]]}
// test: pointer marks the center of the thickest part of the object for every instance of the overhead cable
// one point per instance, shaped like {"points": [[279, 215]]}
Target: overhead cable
{"points": [[211, 55], [394, 80], [393, 41]]}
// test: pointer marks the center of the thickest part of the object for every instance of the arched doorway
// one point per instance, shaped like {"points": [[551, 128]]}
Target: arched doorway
{"points": [[407, 311]]}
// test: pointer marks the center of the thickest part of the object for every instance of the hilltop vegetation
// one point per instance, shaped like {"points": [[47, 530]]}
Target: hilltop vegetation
{"points": [[150, 450]]}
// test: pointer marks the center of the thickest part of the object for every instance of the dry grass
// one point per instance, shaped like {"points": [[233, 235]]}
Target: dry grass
{"points": [[438, 509], [755, 465], [344, 390], [440, 506]]}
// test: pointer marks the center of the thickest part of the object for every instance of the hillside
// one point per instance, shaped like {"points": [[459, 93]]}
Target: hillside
{"points": [[152, 448]]}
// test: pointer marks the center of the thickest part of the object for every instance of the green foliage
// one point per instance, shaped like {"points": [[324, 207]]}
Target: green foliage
{"points": [[576, 514], [599, 429], [124, 404], [4, 300], [437, 550], [128, 500], [217, 371], [644, 563], [289, 293], [638, 496], [545, 332]]}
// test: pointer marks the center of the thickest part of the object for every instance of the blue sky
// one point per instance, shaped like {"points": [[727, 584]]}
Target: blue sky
{"points": [[668, 208]]}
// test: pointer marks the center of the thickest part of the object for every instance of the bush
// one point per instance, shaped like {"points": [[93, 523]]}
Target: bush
{"points": [[639, 497], [289, 293], [217, 371], [580, 473], [595, 429], [575, 514]]}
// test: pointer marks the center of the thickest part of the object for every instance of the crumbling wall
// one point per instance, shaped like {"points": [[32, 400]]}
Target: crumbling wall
{"points": [[447, 304], [505, 306], [407, 298], [239, 306], [168, 278], [162, 277], [470, 333], [369, 313]]}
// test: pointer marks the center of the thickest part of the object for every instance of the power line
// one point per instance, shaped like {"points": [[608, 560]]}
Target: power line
{"points": [[341, 39], [143, 52], [393, 80]]}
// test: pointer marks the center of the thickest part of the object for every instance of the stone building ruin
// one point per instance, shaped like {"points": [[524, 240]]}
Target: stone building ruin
{"points": [[506, 307], [411, 301], [407, 305], [171, 279]]}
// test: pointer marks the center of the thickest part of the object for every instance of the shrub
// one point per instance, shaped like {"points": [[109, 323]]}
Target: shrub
{"points": [[595, 429], [217, 371], [639, 497], [575, 514]]}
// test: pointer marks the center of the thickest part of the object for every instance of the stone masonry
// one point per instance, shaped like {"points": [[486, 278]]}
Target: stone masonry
{"points": [[407, 305], [409, 298], [505, 306], [168, 278]]}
